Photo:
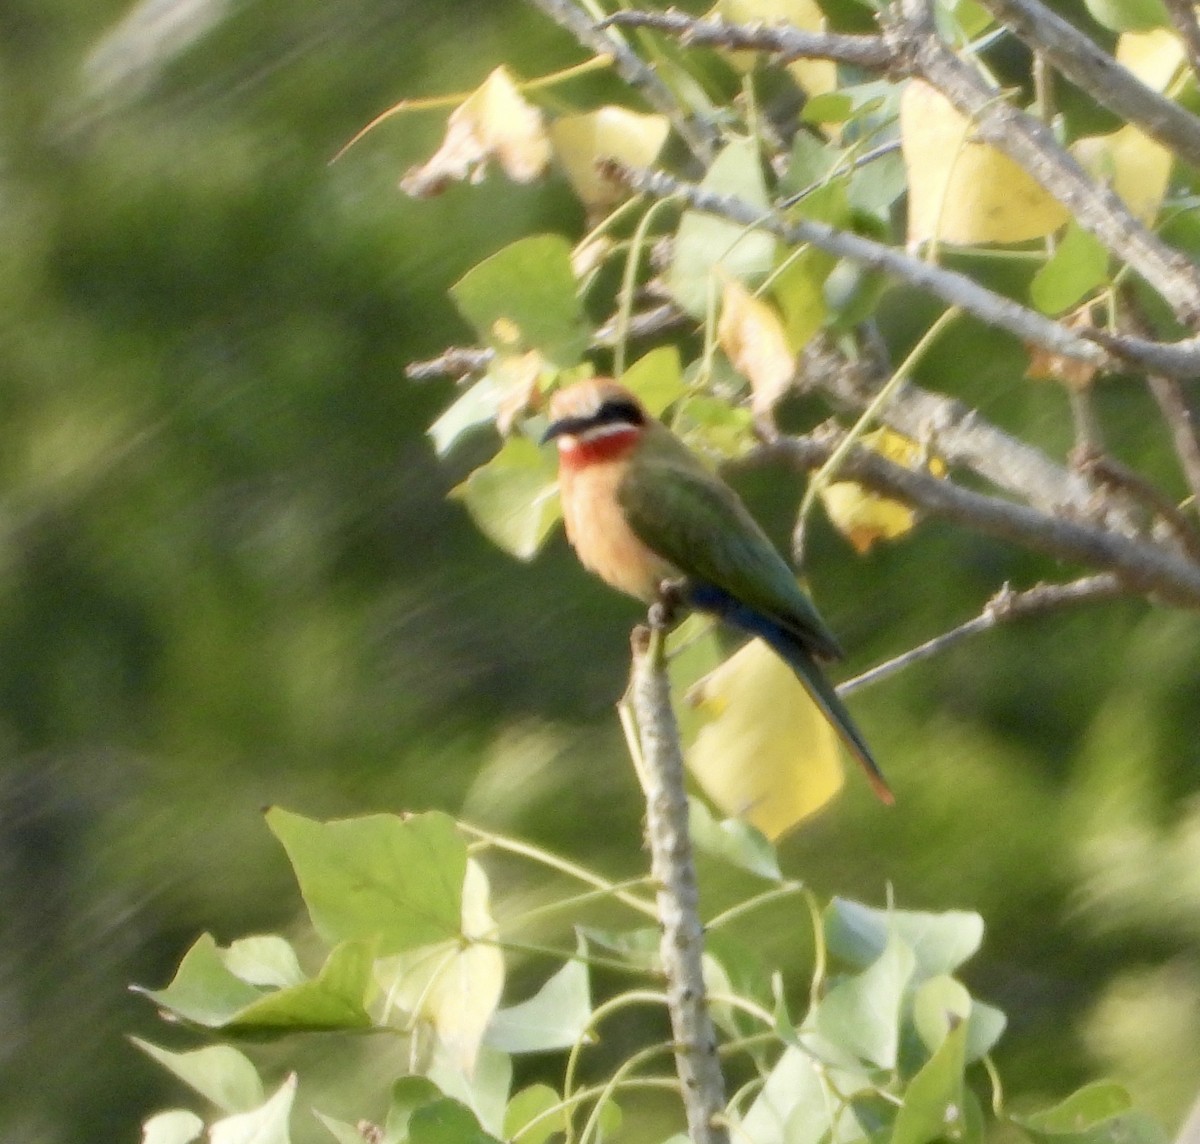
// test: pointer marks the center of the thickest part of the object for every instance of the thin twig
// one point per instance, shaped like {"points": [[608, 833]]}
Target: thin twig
{"points": [[682, 946], [1181, 423], [1093, 70], [1004, 606], [457, 362], [780, 40]]}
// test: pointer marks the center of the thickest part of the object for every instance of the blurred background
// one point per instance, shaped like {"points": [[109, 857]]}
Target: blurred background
{"points": [[229, 577]]}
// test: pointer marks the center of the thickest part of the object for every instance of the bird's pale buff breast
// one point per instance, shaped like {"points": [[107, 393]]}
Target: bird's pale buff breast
{"points": [[603, 541]]}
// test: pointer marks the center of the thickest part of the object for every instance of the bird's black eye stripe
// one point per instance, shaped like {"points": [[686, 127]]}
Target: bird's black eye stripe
{"points": [[619, 411]]}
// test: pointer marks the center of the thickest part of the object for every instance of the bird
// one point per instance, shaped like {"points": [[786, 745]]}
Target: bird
{"points": [[645, 514]]}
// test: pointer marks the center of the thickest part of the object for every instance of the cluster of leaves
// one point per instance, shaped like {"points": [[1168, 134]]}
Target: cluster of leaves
{"points": [[402, 908]]}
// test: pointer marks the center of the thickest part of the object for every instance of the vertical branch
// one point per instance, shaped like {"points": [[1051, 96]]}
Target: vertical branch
{"points": [[661, 774]]}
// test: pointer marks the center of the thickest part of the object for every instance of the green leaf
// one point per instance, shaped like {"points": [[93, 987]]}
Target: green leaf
{"points": [[811, 160], [219, 1073], [334, 999], [555, 1017], [933, 1106], [940, 942], [540, 1103], [1078, 266], [706, 246], [514, 497], [342, 1132], [799, 288], [656, 379], [523, 297], [177, 1126], [732, 841], [397, 880], [267, 1124], [862, 1013], [1128, 15], [713, 425], [478, 405], [264, 959], [484, 1091], [985, 1027], [939, 1005], [639, 947], [203, 990], [408, 1094], [446, 1121], [1098, 1113]]}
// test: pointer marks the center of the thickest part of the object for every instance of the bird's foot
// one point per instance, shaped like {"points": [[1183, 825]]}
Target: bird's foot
{"points": [[665, 610]]}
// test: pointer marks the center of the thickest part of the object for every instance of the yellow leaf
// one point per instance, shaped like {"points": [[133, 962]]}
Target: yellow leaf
{"points": [[961, 191], [453, 988], [496, 123], [766, 754], [580, 141], [816, 77], [1137, 167], [1154, 57], [863, 516], [752, 336]]}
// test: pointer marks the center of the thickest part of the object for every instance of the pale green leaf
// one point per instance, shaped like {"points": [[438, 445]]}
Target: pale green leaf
{"points": [[1129, 15], [342, 1132], [334, 999], [267, 1124], [219, 1073], [941, 942], [524, 298], [176, 1126], [1077, 267], [535, 1113], [264, 959], [933, 1107], [707, 247], [514, 497], [656, 379], [395, 880], [203, 989], [555, 1017], [732, 841]]}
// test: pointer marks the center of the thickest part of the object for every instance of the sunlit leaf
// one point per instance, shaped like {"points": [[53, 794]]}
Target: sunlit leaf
{"points": [[177, 1126], [864, 516], [495, 123], [732, 841], [799, 289], [1078, 266], [267, 1124], [752, 336], [1154, 57], [538, 1103], [862, 1013], [380, 877], [933, 1107], [941, 942], [813, 75], [219, 1073], [334, 999], [203, 989], [766, 754], [656, 379], [453, 988], [1137, 167], [1098, 1113], [962, 191], [555, 1017], [706, 246], [524, 298], [513, 499], [264, 959], [939, 1005], [581, 141], [1128, 15]]}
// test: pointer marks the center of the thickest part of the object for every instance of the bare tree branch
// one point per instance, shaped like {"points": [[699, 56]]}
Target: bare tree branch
{"points": [[1141, 565], [1097, 73], [1005, 605], [457, 362], [682, 946], [781, 40], [1183, 16], [1019, 135]]}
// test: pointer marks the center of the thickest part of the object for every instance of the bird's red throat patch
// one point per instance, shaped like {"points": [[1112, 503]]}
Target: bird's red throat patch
{"points": [[610, 445]]}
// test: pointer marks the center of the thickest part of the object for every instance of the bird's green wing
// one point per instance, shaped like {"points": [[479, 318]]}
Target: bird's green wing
{"points": [[693, 519]]}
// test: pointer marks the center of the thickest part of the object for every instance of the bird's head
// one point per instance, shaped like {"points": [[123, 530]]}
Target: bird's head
{"points": [[595, 420]]}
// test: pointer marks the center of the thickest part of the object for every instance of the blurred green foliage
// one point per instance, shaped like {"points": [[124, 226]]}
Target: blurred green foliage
{"points": [[228, 578]]}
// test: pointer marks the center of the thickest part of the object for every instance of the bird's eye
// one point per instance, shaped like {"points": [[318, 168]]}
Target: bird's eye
{"points": [[620, 411]]}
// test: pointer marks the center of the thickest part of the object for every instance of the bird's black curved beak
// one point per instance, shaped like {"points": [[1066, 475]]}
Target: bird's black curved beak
{"points": [[563, 425]]}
